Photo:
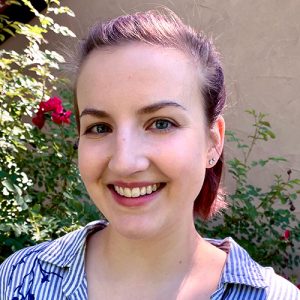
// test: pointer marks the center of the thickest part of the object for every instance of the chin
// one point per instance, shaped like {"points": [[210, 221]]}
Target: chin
{"points": [[137, 228]]}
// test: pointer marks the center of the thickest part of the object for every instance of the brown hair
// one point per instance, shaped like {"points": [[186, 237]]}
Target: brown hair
{"points": [[166, 29]]}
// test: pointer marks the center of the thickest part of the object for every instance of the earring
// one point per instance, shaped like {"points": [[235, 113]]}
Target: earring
{"points": [[211, 161]]}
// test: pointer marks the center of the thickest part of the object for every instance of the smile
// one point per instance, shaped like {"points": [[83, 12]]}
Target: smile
{"points": [[136, 191]]}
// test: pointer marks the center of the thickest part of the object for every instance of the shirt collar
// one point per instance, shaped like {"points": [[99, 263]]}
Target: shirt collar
{"points": [[68, 250], [62, 251], [239, 268]]}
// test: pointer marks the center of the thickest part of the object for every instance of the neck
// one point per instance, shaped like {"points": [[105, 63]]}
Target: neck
{"points": [[171, 253]]}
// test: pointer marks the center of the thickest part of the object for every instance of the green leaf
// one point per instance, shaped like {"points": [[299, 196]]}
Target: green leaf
{"points": [[61, 10], [21, 202], [8, 185], [271, 134], [262, 162], [277, 158], [265, 123], [251, 112], [8, 31]]}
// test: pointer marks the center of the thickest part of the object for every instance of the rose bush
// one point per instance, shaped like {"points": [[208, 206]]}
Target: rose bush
{"points": [[54, 109], [42, 196], [261, 219]]}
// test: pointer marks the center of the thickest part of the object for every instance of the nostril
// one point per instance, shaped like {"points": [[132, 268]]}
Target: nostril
{"points": [[128, 163]]}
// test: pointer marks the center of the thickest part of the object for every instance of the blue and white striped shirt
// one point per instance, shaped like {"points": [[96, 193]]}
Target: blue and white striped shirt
{"points": [[54, 270]]}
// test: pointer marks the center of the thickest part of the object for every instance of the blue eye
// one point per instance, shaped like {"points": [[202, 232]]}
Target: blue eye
{"points": [[162, 125], [99, 129]]}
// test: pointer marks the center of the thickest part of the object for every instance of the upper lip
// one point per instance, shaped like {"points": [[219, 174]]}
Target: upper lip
{"points": [[133, 184]]}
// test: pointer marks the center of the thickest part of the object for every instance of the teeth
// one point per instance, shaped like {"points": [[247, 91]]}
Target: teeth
{"points": [[143, 191], [121, 191], [149, 189], [137, 191], [127, 192]]}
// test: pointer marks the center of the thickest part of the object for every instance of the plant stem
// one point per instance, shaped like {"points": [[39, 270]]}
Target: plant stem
{"points": [[254, 138]]}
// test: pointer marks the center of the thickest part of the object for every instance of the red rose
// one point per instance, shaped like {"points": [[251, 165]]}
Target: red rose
{"points": [[53, 104], [52, 107], [287, 234], [39, 120], [60, 118]]}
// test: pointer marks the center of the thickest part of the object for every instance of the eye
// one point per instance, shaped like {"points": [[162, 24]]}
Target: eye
{"points": [[99, 129], [162, 125]]}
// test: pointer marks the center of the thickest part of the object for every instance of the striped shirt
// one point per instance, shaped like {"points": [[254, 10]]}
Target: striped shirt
{"points": [[54, 270]]}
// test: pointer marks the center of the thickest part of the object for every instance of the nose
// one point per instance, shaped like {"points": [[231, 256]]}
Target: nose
{"points": [[128, 155]]}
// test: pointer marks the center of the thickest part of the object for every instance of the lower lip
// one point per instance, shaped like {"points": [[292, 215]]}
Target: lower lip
{"points": [[135, 201]]}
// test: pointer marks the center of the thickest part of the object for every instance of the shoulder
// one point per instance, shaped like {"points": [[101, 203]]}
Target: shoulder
{"points": [[278, 288], [19, 266], [42, 264], [246, 278]]}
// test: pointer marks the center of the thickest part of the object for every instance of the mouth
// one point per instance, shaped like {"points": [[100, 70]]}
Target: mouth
{"points": [[135, 192]]}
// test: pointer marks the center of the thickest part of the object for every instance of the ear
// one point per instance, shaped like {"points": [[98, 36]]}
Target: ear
{"points": [[217, 133]]}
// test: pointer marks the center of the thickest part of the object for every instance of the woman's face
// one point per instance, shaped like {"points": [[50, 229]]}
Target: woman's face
{"points": [[144, 143]]}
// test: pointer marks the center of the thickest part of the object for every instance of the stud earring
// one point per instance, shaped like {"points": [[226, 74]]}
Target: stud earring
{"points": [[211, 161]]}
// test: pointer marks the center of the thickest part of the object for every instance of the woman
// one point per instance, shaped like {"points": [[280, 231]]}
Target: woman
{"points": [[149, 98]]}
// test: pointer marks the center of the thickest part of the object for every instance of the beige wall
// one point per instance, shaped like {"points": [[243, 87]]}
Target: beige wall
{"points": [[260, 44]]}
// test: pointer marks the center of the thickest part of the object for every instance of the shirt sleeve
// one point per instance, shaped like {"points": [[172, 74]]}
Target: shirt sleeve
{"points": [[279, 288], [5, 268], [12, 271]]}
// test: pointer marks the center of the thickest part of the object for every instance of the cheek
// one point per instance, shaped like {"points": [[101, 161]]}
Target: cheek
{"points": [[183, 156], [91, 160]]}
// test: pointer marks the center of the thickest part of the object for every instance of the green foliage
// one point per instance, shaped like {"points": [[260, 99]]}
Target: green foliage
{"points": [[261, 219], [42, 196]]}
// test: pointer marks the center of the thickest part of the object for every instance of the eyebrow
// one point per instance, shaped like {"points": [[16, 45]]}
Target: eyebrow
{"points": [[144, 110], [94, 112], [159, 105]]}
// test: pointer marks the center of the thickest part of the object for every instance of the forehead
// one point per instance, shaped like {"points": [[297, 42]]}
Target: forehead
{"points": [[137, 70]]}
